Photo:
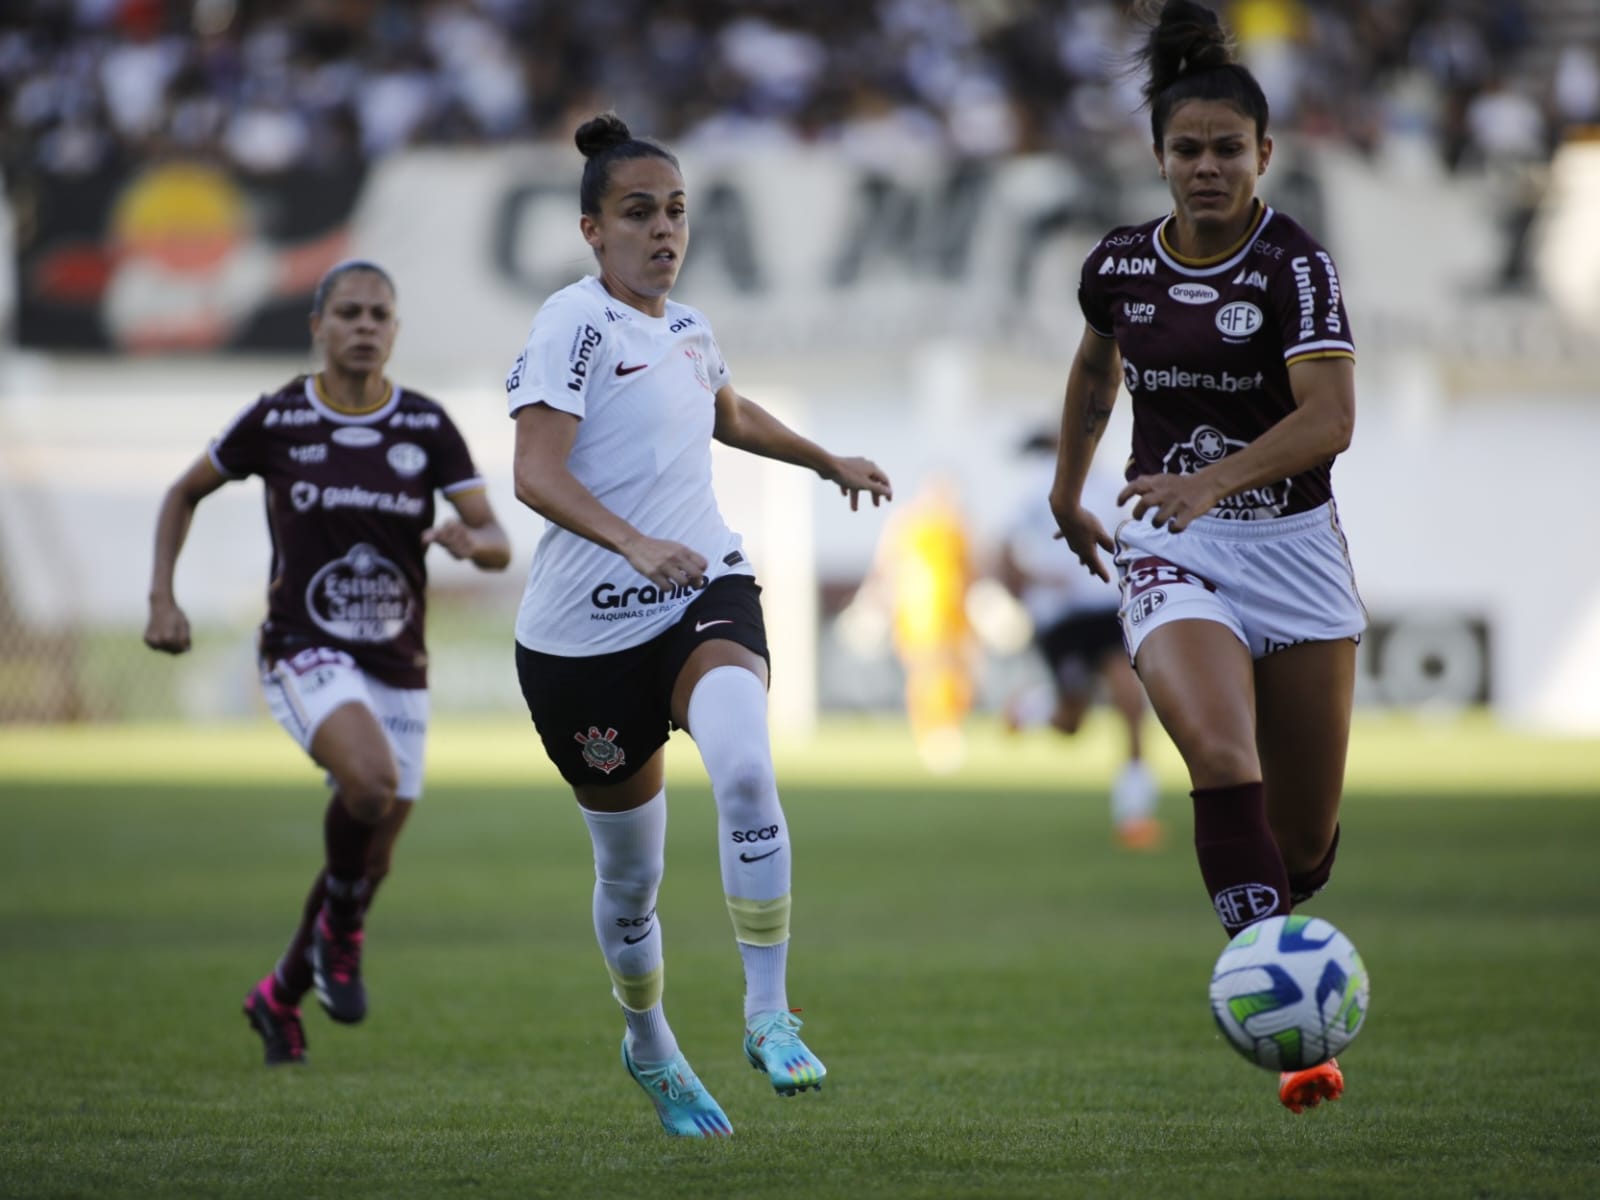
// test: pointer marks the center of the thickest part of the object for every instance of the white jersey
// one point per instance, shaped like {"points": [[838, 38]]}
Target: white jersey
{"points": [[643, 389], [1057, 584]]}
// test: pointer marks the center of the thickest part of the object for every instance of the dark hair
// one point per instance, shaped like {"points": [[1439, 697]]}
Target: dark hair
{"points": [[338, 271], [1189, 56], [604, 141]]}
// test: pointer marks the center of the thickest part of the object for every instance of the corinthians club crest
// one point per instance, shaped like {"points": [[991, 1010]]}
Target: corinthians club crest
{"points": [[600, 750]]}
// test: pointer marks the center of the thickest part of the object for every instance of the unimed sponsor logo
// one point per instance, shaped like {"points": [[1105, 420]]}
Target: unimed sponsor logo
{"points": [[1306, 295]]}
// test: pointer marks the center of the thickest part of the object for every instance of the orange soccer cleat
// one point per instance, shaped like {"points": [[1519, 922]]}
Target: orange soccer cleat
{"points": [[1300, 1090]]}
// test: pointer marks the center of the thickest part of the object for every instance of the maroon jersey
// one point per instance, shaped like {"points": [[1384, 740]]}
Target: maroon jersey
{"points": [[348, 498], [1207, 344]]}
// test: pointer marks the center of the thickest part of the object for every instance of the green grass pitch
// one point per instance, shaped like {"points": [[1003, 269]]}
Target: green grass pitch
{"points": [[1009, 1007]]}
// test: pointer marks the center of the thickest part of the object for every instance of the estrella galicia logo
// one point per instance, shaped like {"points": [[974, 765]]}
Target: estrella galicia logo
{"points": [[600, 750], [362, 597]]}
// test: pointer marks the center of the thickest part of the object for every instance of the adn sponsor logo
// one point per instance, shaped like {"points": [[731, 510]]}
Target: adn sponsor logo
{"points": [[291, 416], [1128, 266], [427, 420]]}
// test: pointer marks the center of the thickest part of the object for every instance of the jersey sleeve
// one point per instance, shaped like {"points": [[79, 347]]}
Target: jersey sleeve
{"points": [[1092, 299], [240, 449], [453, 468], [718, 365], [1309, 306], [559, 359]]}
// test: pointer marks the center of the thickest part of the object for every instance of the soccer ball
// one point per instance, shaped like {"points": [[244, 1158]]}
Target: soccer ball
{"points": [[1289, 992]]}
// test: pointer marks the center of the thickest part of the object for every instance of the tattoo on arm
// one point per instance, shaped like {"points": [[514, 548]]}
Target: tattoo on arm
{"points": [[1094, 414]]}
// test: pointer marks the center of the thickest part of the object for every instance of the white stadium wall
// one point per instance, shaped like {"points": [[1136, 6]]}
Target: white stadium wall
{"points": [[902, 317]]}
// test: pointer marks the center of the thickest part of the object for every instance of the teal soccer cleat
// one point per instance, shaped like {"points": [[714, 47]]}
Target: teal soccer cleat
{"points": [[772, 1045], [685, 1107]]}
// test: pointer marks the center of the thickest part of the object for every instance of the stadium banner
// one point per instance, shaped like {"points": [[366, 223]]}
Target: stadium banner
{"points": [[175, 256]]}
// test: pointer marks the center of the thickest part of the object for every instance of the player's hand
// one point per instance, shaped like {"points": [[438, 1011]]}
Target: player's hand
{"points": [[1171, 500], [1085, 536], [666, 564], [459, 539], [857, 475], [168, 627]]}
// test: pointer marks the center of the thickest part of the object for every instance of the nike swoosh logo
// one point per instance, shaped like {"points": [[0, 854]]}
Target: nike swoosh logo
{"points": [[702, 626], [622, 370], [753, 858], [634, 941]]}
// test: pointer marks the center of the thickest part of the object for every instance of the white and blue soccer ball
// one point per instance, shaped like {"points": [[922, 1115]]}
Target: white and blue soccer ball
{"points": [[1289, 992]]}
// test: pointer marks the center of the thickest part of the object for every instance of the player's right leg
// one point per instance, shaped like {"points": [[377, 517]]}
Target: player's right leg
{"points": [[1198, 676], [322, 700], [628, 829]]}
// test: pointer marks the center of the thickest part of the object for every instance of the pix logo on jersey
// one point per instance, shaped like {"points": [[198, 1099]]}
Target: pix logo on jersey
{"points": [[600, 750]]}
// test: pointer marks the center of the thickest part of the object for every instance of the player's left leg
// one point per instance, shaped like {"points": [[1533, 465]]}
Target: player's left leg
{"points": [[1304, 696], [1304, 699], [720, 697]]}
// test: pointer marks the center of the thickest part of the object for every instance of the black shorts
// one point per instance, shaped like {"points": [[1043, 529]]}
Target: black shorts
{"points": [[602, 716], [1077, 647]]}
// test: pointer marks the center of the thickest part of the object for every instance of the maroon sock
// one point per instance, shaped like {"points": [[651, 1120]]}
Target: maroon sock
{"points": [[1305, 884], [1239, 860], [292, 977], [347, 842]]}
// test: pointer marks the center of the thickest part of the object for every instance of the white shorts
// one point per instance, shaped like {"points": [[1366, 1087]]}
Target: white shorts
{"points": [[302, 690], [1274, 583]]}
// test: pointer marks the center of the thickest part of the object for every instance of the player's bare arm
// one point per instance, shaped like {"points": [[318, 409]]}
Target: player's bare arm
{"points": [[545, 437], [168, 627], [473, 535], [1091, 393], [1319, 429], [745, 425]]}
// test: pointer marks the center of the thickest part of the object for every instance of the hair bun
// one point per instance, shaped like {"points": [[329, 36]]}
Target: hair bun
{"points": [[1188, 37], [601, 133]]}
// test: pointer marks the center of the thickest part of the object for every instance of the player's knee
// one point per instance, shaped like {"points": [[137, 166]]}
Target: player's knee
{"points": [[747, 783], [1220, 762], [368, 792]]}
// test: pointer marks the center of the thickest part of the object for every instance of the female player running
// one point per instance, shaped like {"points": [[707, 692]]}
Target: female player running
{"points": [[350, 462], [1224, 320], [641, 612]]}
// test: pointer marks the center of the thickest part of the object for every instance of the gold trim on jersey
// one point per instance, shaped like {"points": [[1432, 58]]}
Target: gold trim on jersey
{"points": [[1214, 259], [343, 410], [1315, 354]]}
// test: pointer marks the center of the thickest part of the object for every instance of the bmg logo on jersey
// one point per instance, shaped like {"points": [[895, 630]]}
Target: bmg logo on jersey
{"points": [[584, 343]]}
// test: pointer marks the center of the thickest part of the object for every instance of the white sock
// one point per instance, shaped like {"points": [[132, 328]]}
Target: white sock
{"points": [[766, 970], [1133, 795], [629, 857], [728, 721]]}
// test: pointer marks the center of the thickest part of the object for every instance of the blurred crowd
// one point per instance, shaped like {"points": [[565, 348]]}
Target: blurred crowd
{"points": [[269, 85]]}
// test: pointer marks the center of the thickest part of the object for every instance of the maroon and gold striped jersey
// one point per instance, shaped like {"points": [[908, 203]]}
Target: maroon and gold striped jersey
{"points": [[1207, 344], [348, 498]]}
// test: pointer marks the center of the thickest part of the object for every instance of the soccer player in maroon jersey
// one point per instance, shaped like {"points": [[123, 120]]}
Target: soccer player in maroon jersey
{"points": [[1224, 320], [350, 462]]}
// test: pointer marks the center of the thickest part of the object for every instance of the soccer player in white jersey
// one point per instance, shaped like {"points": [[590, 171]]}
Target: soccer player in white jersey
{"points": [[1078, 634], [1226, 322], [641, 612], [350, 463]]}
